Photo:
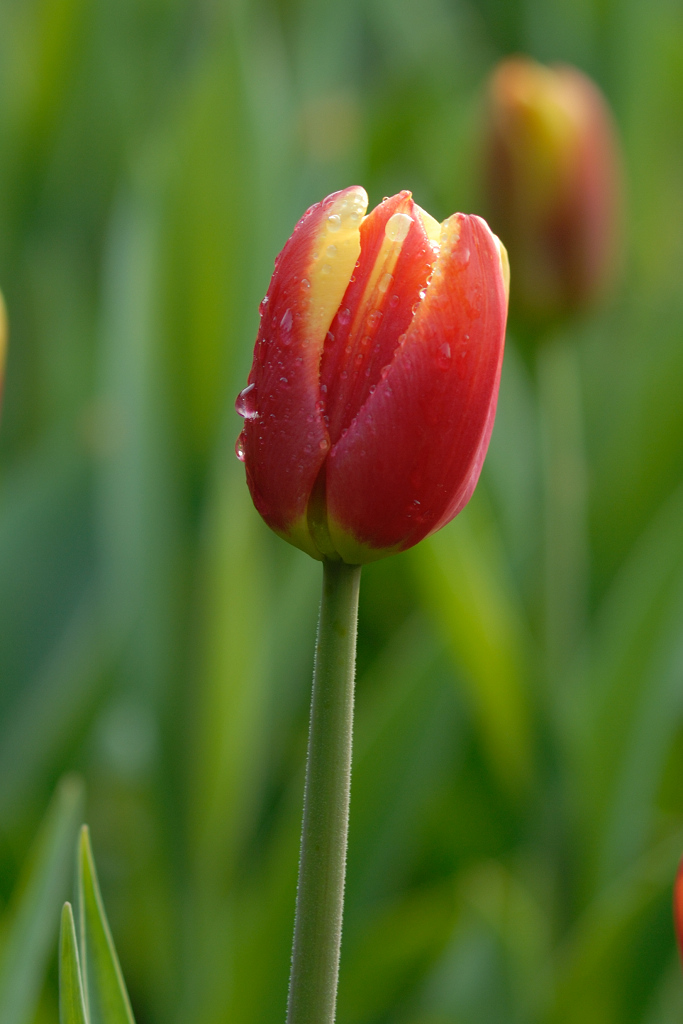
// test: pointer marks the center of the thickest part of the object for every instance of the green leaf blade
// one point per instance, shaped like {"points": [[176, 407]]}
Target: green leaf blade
{"points": [[106, 997], [71, 999], [32, 925]]}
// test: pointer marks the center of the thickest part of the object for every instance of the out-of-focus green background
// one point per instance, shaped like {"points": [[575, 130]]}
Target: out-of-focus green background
{"points": [[517, 805]]}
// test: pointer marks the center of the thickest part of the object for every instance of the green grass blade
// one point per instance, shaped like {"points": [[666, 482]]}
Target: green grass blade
{"points": [[463, 581], [105, 990], [71, 999], [29, 930]]}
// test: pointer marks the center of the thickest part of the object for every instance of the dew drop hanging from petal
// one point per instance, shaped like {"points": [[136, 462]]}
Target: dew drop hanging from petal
{"points": [[245, 403]]}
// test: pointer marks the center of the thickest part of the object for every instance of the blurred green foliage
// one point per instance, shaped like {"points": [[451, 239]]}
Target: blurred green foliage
{"points": [[517, 808]]}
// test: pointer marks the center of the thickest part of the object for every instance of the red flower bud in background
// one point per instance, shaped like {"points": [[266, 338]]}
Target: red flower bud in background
{"points": [[678, 908], [373, 389], [554, 185]]}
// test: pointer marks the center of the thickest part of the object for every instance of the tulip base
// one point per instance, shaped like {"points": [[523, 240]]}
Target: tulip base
{"points": [[322, 865]]}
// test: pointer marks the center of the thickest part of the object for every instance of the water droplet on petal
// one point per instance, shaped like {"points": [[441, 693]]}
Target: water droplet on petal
{"points": [[324, 445], [333, 222], [397, 227], [394, 301], [385, 283], [245, 403], [443, 356], [327, 269], [239, 449], [344, 316], [332, 251], [286, 322], [305, 283], [374, 317]]}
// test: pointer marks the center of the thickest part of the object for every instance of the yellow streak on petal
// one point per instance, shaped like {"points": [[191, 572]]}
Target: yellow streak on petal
{"points": [[353, 551], [338, 248], [431, 226], [450, 232], [447, 239], [395, 233], [504, 264], [299, 535]]}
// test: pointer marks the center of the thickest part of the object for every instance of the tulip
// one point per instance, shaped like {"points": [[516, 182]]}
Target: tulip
{"points": [[554, 186], [678, 908], [372, 394]]}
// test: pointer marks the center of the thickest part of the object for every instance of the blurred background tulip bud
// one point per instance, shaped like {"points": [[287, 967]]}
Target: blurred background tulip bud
{"points": [[678, 908], [553, 181], [372, 394]]}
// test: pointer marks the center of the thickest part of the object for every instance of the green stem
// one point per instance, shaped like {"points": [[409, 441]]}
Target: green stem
{"points": [[322, 865]]}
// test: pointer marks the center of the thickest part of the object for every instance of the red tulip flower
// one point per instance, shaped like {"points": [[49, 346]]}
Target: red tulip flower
{"points": [[373, 389]]}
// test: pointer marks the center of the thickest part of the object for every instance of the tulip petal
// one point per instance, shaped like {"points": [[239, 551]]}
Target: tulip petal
{"points": [[396, 261], [410, 460], [285, 441]]}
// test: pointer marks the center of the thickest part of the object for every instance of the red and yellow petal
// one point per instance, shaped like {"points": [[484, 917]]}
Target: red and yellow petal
{"points": [[396, 261], [411, 458], [285, 441]]}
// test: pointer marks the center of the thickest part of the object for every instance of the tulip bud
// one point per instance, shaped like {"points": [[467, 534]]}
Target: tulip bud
{"points": [[554, 186], [372, 393], [678, 908]]}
